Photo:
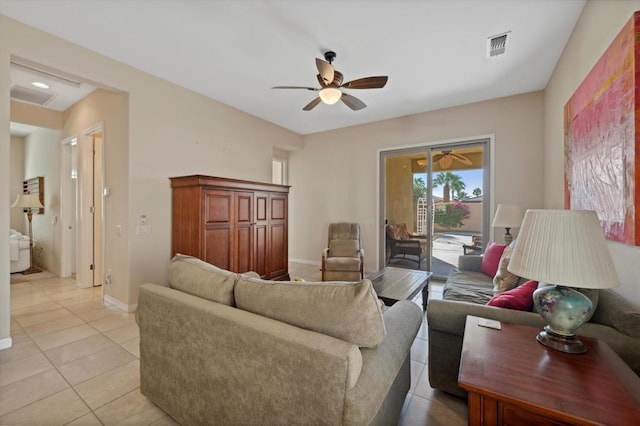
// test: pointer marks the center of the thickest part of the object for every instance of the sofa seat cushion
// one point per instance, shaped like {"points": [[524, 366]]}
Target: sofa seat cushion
{"points": [[194, 276], [468, 286], [347, 311]]}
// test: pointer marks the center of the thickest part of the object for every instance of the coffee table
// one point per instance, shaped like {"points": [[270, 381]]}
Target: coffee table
{"points": [[394, 284], [513, 379]]}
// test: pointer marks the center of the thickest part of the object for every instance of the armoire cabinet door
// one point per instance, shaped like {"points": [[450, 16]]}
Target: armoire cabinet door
{"points": [[277, 235], [261, 254], [218, 238], [243, 232]]}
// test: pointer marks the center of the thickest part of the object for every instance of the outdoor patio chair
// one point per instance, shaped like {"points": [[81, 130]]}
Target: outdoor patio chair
{"points": [[475, 247], [402, 245]]}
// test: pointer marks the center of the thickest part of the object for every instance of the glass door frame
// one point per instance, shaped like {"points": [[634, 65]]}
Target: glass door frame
{"points": [[428, 148]]}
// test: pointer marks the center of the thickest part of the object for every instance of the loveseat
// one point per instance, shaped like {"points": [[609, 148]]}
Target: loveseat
{"points": [[219, 347], [466, 292]]}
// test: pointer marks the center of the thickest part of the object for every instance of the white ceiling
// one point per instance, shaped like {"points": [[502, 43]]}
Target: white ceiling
{"points": [[234, 51]]}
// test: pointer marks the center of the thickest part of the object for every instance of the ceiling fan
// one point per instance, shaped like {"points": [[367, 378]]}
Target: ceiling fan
{"points": [[446, 158], [331, 84]]}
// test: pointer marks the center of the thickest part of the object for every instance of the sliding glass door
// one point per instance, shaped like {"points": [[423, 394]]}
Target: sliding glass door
{"points": [[434, 205]]}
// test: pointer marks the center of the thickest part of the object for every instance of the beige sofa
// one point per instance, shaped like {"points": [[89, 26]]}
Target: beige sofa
{"points": [[222, 348], [615, 320]]}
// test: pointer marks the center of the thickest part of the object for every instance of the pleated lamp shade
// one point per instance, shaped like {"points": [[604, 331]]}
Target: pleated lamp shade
{"points": [[27, 201], [563, 247]]}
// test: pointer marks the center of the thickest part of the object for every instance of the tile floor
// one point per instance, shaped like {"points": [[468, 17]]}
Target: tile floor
{"points": [[75, 361]]}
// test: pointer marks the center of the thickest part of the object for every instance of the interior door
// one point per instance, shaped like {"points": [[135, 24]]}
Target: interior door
{"points": [[68, 209], [89, 211]]}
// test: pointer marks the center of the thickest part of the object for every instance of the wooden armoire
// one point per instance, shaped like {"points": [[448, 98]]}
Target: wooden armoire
{"points": [[234, 224]]}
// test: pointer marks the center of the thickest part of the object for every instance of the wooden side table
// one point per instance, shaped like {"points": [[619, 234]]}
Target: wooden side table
{"points": [[512, 379]]}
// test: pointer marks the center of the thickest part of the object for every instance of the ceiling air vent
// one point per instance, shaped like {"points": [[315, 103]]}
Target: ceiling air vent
{"points": [[26, 94], [497, 45]]}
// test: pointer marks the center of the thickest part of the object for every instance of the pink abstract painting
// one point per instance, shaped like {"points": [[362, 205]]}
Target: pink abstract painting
{"points": [[602, 139]]}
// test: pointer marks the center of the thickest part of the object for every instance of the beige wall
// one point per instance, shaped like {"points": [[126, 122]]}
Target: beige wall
{"points": [[18, 218], [335, 176], [35, 115], [598, 25], [111, 109]]}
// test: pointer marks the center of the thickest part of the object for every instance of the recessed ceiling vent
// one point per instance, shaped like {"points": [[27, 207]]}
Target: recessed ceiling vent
{"points": [[497, 45], [33, 96]]}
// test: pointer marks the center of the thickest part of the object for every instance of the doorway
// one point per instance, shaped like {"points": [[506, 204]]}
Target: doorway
{"points": [[89, 207], [439, 193]]}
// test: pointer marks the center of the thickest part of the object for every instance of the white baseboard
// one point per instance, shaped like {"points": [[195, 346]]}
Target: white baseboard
{"points": [[120, 305], [306, 262], [5, 343]]}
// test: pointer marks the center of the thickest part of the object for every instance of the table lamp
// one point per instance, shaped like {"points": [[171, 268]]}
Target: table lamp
{"points": [[508, 217], [563, 249], [30, 202]]}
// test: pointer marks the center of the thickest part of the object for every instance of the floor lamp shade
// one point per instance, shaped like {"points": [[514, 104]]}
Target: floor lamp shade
{"points": [[508, 216], [566, 248], [29, 201]]}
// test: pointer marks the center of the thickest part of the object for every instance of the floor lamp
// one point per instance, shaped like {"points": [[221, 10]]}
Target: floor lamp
{"points": [[29, 202]]}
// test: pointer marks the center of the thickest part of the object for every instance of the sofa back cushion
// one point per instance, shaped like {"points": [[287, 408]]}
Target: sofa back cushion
{"points": [[617, 312], [347, 311], [343, 248], [491, 258], [194, 276]]}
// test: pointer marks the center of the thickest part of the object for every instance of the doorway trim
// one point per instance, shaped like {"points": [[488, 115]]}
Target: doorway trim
{"points": [[489, 182]]}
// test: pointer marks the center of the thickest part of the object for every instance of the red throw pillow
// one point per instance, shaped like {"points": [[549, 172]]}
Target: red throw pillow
{"points": [[491, 258], [519, 298]]}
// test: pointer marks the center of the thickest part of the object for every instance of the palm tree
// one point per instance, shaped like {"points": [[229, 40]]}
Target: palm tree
{"points": [[450, 182]]}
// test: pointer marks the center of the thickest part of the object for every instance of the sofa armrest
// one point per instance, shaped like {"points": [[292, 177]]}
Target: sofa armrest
{"points": [[450, 316], [470, 262], [446, 322], [380, 365]]}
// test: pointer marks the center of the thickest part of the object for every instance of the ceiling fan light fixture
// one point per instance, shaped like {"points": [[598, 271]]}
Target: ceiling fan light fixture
{"points": [[330, 95]]}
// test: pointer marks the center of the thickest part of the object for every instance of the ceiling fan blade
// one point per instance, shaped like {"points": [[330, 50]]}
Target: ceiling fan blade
{"points": [[321, 81], [296, 87], [326, 70], [461, 158], [367, 83], [311, 105], [352, 102], [437, 157]]}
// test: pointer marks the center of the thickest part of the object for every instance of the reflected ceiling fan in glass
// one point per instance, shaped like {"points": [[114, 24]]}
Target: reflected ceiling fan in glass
{"points": [[445, 159]]}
